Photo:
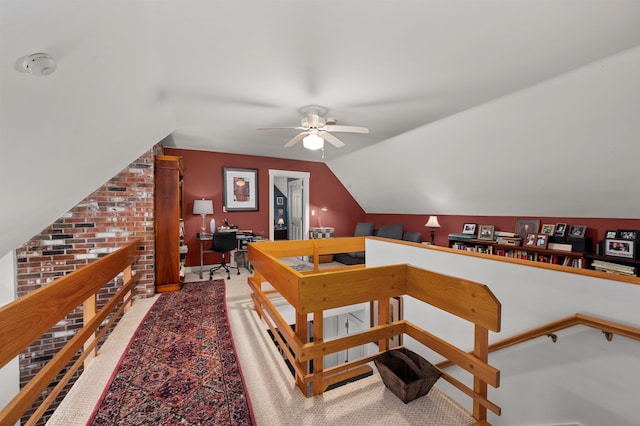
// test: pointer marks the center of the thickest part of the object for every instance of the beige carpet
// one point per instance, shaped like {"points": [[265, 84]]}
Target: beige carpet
{"points": [[274, 397]]}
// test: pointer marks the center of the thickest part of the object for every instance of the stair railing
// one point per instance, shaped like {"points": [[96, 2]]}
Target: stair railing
{"points": [[609, 328], [312, 292], [27, 318]]}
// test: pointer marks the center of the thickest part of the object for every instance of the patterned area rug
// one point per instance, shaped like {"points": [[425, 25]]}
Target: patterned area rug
{"points": [[181, 366]]}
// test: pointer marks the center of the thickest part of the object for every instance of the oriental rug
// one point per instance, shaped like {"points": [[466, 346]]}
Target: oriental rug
{"points": [[180, 367]]}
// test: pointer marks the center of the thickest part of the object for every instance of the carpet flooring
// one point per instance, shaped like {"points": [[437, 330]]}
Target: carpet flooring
{"points": [[181, 366]]}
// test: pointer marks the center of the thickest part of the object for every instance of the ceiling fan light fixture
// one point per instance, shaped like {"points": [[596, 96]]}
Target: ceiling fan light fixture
{"points": [[313, 142]]}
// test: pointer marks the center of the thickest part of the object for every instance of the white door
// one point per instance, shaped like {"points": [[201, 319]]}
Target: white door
{"points": [[296, 210]]}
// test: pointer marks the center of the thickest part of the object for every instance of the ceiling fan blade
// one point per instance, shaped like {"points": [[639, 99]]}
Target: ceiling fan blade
{"points": [[297, 138], [279, 128], [349, 129], [331, 139]]}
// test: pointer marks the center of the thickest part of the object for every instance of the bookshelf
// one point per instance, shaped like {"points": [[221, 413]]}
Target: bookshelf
{"points": [[613, 264], [534, 254]]}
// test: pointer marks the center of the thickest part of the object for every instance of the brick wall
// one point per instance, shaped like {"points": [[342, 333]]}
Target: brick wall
{"points": [[121, 210]]}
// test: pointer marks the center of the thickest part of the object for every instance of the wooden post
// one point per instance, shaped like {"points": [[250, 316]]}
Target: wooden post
{"points": [[302, 331], [384, 317], [480, 351], [128, 274], [88, 312], [318, 336]]}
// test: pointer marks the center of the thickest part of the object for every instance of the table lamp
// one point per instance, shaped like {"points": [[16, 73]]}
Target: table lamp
{"points": [[280, 223], [203, 207], [433, 223]]}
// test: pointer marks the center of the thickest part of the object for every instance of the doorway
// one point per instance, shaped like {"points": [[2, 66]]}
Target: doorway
{"points": [[297, 202]]}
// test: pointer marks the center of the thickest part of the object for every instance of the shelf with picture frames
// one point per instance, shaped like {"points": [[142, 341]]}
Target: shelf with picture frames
{"points": [[557, 244], [530, 253]]}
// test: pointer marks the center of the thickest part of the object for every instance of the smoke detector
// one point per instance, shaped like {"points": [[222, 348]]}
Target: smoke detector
{"points": [[39, 64]]}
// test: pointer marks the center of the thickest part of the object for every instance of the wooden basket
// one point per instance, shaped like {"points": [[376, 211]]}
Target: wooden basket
{"points": [[406, 374]]}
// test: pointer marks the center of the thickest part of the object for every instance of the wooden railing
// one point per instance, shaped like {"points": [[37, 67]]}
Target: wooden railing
{"points": [[609, 328], [29, 317], [313, 292]]}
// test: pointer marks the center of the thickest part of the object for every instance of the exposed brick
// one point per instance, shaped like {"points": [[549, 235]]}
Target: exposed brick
{"points": [[116, 213]]}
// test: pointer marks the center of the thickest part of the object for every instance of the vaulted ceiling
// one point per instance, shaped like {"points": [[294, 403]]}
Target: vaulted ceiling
{"points": [[209, 73]]}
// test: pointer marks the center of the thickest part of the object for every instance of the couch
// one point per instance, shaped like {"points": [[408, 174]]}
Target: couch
{"points": [[364, 229]]}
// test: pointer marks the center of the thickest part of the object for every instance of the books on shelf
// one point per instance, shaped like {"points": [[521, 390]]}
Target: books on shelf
{"points": [[614, 268], [462, 236], [504, 234], [560, 246], [509, 241]]}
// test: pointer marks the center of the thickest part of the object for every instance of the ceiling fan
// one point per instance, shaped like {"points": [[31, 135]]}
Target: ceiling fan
{"points": [[316, 130]]}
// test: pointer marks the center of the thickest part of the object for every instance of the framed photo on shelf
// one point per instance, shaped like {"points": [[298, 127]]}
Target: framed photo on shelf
{"points": [[561, 229], [542, 240], [577, 231], [627, 235], [240, 189], [486, 232], [526, 226], [620, 248], [395, 314], [469, 228], [530, 239], [611, 234], [548, 229]]}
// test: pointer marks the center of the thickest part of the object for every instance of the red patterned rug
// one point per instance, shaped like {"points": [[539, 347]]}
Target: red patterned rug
{"points": [[180, 367]]}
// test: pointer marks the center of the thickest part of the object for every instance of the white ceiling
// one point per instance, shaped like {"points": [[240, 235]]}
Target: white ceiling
{"points": [[229, 67], [209, 73]]}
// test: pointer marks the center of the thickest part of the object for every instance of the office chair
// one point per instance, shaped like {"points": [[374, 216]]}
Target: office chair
{"points": [[224, 242]]}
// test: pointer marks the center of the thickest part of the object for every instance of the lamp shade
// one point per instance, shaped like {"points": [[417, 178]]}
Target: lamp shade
{"points": [[281, 221], [313, 142], [203, 206], [433, 222]]}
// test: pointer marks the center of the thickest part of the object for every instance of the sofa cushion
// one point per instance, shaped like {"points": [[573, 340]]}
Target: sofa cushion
{"points": [[364, 229], [415, 237], [391, 231], [347, 259]]}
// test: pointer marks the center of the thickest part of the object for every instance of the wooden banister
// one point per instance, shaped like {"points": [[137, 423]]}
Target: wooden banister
{"points": [[29, 317], [561, 324], [313, 292]]}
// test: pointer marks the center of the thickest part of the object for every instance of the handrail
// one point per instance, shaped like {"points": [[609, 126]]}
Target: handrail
{"points": [[29, 317], [606, 326], [313, 292]]}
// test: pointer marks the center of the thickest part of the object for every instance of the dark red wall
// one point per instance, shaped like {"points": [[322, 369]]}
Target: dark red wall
{"points": [[596, 227], [203, 179]]}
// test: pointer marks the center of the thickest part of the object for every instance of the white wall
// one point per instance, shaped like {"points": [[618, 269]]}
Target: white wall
{"points": [[64, 136], [582, 378], [567, 147], [10, 373]]}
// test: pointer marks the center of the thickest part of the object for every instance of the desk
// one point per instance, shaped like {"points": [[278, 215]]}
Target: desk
{"points": [[243, 237]]}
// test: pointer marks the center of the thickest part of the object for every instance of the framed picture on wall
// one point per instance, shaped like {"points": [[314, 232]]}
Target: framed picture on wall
{"points": [[240, 189], [548, 229], [628, 235], [561, 228], [577, 231], [542, 240], [280, 201], [486, 232], [526, 226], [611, 234], [620, 248], [469, 228]]}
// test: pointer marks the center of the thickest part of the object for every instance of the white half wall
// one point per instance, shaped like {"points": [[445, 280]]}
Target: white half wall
{"points": [[580, 379]]}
